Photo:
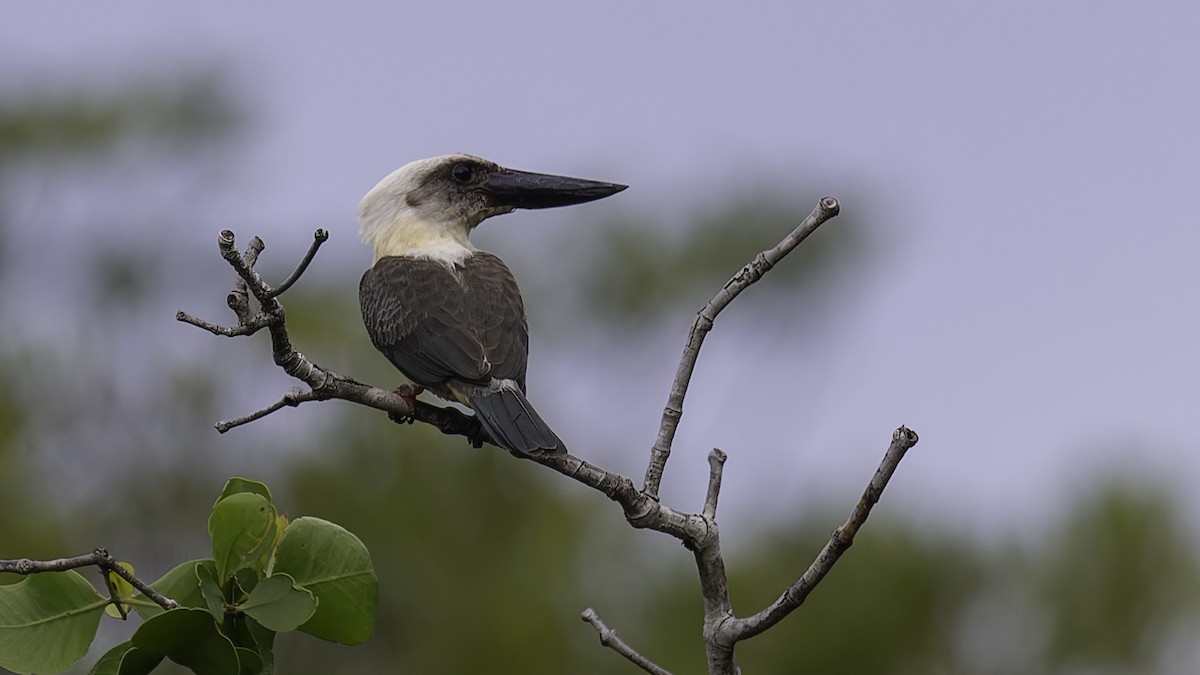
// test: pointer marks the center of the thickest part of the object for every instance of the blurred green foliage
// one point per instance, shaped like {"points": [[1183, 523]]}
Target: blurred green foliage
{"points": [[485, 561], [438, 515], [641, 269], [1122, 571], [75, 122], [29, 526]]}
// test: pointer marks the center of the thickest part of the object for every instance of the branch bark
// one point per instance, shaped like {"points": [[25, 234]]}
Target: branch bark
{"points": [[608, 638], [100, 558], [642, 508], [842, 539], [754, 270], [323, 384]]}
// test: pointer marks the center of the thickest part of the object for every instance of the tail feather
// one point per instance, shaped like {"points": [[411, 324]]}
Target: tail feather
{"points": [[512, 422]]}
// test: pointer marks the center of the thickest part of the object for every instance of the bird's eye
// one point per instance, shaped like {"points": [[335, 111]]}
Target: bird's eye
{"points": [[462, 173]]}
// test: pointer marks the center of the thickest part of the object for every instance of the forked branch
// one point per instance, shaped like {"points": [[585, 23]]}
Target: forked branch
{"points": [[642, 507], [100, 558], [323, 384], [608, 638], [754, 270]]}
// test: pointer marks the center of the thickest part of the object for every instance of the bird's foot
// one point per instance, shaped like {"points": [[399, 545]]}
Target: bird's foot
{"points": [[476, 435], [408, 392]]}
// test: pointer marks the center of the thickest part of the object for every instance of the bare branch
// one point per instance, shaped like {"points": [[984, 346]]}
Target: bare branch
{"points": [[293, 398], [608, 638], [243, 265], [319, 237], [640, 511], [843, 537], [827, 208], [324, 384], [642, 508], [718, 611], [248, 327], [716, 467], [238, 300], [100, 558]]}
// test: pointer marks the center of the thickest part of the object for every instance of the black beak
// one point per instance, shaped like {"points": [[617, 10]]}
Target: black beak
{"points": [[525, 190]]}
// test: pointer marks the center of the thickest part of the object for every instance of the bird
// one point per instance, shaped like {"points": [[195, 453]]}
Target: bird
{"points": [[447, 315]]}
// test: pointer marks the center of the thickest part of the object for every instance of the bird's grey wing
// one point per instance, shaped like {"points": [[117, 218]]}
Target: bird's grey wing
{"points": [[494, 308], [415, 313]]}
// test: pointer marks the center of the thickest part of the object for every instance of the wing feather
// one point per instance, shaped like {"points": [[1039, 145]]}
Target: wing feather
{"points": [[437, 324], [497, 313]]}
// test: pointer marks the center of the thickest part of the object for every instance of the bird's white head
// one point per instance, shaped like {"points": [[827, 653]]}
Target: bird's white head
{"points": [[420, 210], [428, 208]]}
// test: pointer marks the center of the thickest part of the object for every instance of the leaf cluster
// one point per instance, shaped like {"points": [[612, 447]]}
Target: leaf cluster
{"points": [[267, 575]]}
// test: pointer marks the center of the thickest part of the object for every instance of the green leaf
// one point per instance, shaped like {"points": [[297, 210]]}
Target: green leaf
{"points": [[47, 621], [244, 582], [190, 638], [206, 572], [332, 563], [281, 523], [125, 659], [278, 605], [244, 631], [249, 662], [262, 639], [118, 588], [237, 485], [180, 584], [243, 529]]}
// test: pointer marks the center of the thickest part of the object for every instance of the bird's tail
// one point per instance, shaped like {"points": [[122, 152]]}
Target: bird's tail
{"points": [[512, 422]]}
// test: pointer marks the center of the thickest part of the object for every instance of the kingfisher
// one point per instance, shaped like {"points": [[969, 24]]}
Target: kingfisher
{"points": [[447, 315]]}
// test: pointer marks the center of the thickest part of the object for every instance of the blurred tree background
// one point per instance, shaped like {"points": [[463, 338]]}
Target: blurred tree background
{"points": [[484, 562]]}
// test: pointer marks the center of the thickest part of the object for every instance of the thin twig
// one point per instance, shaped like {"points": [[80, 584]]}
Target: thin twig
{"points": [[843, 537], [293, 398], [319, 237], [248, 327], [100, 558], [608, 638], [716, 467], [827, 208], [237, 299]]}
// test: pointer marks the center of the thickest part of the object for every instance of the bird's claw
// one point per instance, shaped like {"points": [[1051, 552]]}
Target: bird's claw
{"points": [[408, 392], [476, 435]]}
